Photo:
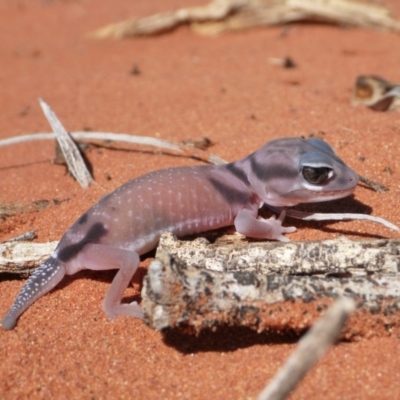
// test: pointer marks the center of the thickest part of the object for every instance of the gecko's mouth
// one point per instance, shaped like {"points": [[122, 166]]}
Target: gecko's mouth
{"points": [[321, 195], [331, 192], [306, 195]]}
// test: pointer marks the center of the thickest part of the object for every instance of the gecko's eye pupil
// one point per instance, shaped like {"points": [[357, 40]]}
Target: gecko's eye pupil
{"points": [[315, 175]]}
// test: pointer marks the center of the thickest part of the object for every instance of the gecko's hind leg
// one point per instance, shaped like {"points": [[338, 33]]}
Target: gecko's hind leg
{"points": [[100, 257]]}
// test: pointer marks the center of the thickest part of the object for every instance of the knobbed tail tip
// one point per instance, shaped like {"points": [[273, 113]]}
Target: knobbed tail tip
{"points": [[9, 322]]}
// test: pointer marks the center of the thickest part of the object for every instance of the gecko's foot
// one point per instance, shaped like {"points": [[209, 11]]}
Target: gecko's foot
{"points": [[278, 229], [138, 310], [130, 310]]}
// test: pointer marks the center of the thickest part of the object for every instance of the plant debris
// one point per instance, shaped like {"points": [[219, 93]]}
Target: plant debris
{"points": [[229, 15]]}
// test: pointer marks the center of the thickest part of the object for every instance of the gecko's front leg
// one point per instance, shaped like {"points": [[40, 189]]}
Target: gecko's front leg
{"points": [[247, 223]]}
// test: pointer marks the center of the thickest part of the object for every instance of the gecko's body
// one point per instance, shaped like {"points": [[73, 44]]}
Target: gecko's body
{"points": [[188, 200]]}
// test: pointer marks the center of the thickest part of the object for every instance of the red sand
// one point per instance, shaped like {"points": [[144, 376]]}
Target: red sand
{"points": [[188, 87]]}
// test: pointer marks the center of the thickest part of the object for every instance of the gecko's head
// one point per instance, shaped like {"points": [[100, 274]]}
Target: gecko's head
{"points": [[286, 172]]}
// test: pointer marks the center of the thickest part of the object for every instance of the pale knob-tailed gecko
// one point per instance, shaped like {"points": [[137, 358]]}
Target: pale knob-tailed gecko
{"points": [[188, 200]]}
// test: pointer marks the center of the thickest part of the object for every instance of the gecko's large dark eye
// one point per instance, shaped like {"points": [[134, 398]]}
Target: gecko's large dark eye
{"points": [[315, 175]]}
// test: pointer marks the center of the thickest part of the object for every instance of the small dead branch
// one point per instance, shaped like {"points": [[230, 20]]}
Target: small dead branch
{"points": [[376, 93], [310, 349], [227, 15], [72, 155]]}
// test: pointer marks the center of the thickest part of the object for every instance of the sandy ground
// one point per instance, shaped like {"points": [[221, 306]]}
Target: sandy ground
{"points": [[188, 87]]}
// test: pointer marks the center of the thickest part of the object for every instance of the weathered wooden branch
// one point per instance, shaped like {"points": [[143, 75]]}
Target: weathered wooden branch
{"points": [[226, 15], [234, 253], [262, 295]]}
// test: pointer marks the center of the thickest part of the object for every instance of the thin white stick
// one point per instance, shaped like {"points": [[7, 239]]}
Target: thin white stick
{"points": [[310, 349], [116, 137], [351, 216], [332, 216]]}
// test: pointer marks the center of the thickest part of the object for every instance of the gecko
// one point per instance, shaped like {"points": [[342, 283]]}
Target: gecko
{"points": [[187, 200]]}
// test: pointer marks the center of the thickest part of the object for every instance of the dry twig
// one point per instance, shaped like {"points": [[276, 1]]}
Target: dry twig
{"points": [[10, 209], [23, 257], [310, 349], [188, 150], [376, 186]]}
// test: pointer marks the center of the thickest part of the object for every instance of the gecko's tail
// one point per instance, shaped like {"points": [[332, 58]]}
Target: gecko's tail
{"points": [[40, 282]]}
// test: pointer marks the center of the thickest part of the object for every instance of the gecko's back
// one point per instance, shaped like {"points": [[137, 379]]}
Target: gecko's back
{"points": [[180, 200]]}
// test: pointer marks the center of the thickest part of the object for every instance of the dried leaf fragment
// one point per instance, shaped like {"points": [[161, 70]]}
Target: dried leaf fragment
{"points": [[376, 93]]}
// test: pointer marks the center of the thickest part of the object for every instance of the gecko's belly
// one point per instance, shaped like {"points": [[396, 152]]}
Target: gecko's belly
{"points": [[148, 239]]}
